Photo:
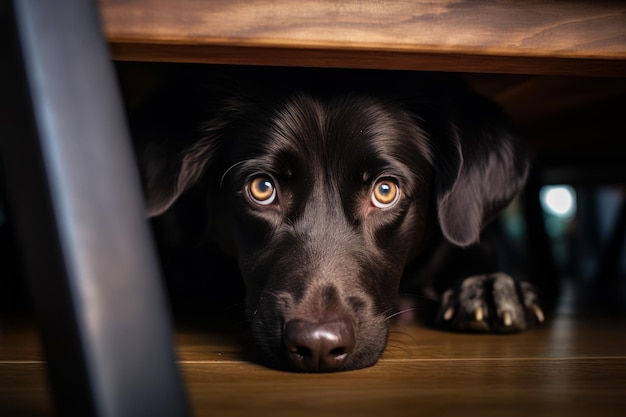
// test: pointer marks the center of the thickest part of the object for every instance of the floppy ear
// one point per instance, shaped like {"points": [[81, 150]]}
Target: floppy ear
{"points": [[167, 173], [479, 168], [177, 124]]}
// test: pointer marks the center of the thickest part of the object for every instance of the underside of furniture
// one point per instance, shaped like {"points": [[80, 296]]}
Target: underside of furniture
{"points": [[543, 61]]}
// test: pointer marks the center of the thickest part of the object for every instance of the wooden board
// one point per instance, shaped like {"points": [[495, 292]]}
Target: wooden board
{"points": [[536, 37], [570, 367]]}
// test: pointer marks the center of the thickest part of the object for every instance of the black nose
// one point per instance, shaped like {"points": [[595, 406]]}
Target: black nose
{"points": [[319, 347]]}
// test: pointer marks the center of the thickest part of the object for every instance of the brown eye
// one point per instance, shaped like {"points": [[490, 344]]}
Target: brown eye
{"points": [[262, 190], [385, 194]]}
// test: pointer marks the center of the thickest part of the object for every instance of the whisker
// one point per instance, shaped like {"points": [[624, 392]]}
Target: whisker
{"points": [[398, 313], [403, 332], [399, 346]]}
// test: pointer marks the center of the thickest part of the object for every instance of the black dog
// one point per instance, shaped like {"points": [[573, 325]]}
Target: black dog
{"points": [[329, 186]]}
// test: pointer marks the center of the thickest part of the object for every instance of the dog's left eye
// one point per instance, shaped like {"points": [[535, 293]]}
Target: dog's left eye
{"points": [[262, 190], [386, 193]]}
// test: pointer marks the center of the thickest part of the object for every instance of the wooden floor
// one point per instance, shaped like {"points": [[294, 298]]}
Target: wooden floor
{"points": [[570, 367]]}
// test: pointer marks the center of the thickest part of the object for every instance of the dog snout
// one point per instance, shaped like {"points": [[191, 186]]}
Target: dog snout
{"points": [[319, 346]]}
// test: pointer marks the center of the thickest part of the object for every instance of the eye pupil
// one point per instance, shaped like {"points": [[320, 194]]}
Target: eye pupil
{"points": [[264, 186], [384, 189]]}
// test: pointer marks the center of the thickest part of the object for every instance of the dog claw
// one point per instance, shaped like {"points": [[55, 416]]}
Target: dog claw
{"points": [[479, 314], [447, 315], [538, 313], [507, 318]]}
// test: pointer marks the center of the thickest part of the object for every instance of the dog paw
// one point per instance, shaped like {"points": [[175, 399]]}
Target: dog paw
{"points": [[490, 304]]}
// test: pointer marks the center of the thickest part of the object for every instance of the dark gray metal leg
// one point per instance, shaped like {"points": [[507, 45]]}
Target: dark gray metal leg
{"points": [[77, 205]]}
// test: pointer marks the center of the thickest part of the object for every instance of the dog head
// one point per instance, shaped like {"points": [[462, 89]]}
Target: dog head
{"points": [[325, 189]]}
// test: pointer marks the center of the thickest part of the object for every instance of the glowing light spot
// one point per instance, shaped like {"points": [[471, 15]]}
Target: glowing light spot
{"points": [[559, 200]]}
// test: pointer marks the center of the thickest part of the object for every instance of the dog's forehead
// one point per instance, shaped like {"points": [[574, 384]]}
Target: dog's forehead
{"points": [[342, 132]]}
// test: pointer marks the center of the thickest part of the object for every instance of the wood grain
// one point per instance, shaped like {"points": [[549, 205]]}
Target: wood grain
{"points": [[571, 367], [479, 388], [565, 37]]}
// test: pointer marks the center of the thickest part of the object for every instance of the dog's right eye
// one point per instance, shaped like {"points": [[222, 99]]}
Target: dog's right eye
{"points": [[385, 194], [262, 190]]}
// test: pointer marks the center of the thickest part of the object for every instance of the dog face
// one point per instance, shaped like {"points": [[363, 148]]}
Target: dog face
{"points": [[325, 198], [328, 203]]}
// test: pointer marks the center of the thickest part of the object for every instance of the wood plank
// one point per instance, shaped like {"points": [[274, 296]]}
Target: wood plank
{"points": [[24, 390], [468, 388], [574, 387], [571, 366], [566, 37], [367, 59]]}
